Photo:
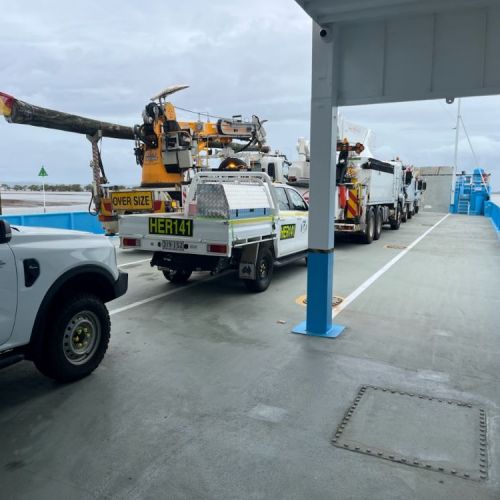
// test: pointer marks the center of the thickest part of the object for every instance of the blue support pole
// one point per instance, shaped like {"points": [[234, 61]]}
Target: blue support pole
{"points": [[322, 189], [319, 298]]}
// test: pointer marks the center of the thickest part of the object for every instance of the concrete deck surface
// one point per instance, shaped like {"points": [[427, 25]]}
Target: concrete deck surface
{"points": [[204, 393]]}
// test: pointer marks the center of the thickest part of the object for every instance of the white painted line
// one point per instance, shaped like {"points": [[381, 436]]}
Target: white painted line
{"points": [[134, 262], [374, 277], [180, 288]]}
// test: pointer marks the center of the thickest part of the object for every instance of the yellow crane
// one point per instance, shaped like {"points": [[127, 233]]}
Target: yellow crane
{"points": [[169, 151]]}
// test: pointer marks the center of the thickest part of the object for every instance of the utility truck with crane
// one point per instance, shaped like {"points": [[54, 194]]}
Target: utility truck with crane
{"points": [[168, 151], [369, 194], [237, 220], [413, 189]]}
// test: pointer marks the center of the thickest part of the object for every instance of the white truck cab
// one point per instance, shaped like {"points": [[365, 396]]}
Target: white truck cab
{"points": [[230, 220], [53, 287]]}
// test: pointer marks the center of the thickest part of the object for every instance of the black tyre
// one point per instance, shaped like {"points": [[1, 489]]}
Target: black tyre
{"points": [[378, 223], [395, 223], [178, 276], [369, 233], [410, 214], [75, 339], [263, 271], [404, 213], [416, 209]]}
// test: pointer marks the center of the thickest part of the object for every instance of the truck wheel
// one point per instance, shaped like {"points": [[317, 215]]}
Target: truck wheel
{"points": [[369, 233], [263, 271], [416, 209], [75, 339], [177, 276], [410, 214], [404, 213], [395, 223], [378, 223]]}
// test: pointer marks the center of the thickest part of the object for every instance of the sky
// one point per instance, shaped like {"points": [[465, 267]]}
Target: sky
{"points": [[106, 59]]}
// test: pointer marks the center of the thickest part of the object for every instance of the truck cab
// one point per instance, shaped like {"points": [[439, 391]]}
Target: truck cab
{"points": [[53, 288]]}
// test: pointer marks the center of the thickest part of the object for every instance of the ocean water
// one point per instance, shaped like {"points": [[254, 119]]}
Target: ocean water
{"points": [[25, 202]]}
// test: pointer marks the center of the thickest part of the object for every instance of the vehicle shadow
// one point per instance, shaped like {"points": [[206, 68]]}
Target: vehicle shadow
{"points": [[21, 383]]}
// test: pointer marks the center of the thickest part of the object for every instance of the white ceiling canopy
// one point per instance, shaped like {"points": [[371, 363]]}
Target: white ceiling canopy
{"points": [[400, 50]]}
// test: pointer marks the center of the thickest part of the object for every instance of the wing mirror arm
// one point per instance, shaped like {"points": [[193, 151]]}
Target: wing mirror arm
{"points": [[5, 232]]}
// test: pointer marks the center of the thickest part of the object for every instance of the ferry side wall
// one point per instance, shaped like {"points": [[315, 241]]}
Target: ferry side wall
{"points": [[83, 221], [492, 211], [77, 221]]}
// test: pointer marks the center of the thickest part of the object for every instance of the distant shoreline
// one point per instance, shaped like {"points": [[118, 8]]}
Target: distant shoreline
{"points": [[38, 193], [13, 202]]}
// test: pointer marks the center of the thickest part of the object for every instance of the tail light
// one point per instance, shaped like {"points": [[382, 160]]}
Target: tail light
{"points": [[130, 242], [342, 196], [106, 218], [157, 205], [217, 248]]}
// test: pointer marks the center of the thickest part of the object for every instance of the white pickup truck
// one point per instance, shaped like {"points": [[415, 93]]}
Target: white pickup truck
{"points": [[231, 220], [53, 287]]}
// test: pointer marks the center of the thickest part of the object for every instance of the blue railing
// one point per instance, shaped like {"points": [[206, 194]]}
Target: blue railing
{"points": [[492, 211], [78, 221]]}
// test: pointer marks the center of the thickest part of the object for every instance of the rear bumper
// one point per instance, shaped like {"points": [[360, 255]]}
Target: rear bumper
{"points": [[188, 262], [121, 284]]}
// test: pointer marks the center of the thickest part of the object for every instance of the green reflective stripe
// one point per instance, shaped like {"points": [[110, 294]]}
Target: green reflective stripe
{"points": [[250, 221]]}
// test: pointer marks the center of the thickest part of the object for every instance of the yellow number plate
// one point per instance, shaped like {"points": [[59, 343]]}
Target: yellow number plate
{"points": [[171, 226], [132, 200], [287, 232]]}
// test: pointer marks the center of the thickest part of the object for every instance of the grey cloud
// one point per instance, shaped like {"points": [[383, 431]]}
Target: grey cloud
{"points": [[105, 59]]}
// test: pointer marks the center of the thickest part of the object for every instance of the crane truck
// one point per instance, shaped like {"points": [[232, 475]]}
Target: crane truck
{"points": [[299, 171], [169, 151], [420, 187], [413, 187], [369, 194], [237, 219]]}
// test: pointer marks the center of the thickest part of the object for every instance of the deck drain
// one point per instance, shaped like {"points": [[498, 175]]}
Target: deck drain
{"points": [[435, 434], [397, 247], [335, 301]]}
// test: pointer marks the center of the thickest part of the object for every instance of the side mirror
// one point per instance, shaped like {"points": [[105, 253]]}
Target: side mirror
{"points": [[271, 171], [5, 231]]}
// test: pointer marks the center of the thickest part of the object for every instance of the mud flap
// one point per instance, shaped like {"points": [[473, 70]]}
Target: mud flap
{"points": [[247, 262]]}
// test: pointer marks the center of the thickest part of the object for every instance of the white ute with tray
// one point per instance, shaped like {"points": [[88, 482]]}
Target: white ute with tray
{"points": [[235, 220]]}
